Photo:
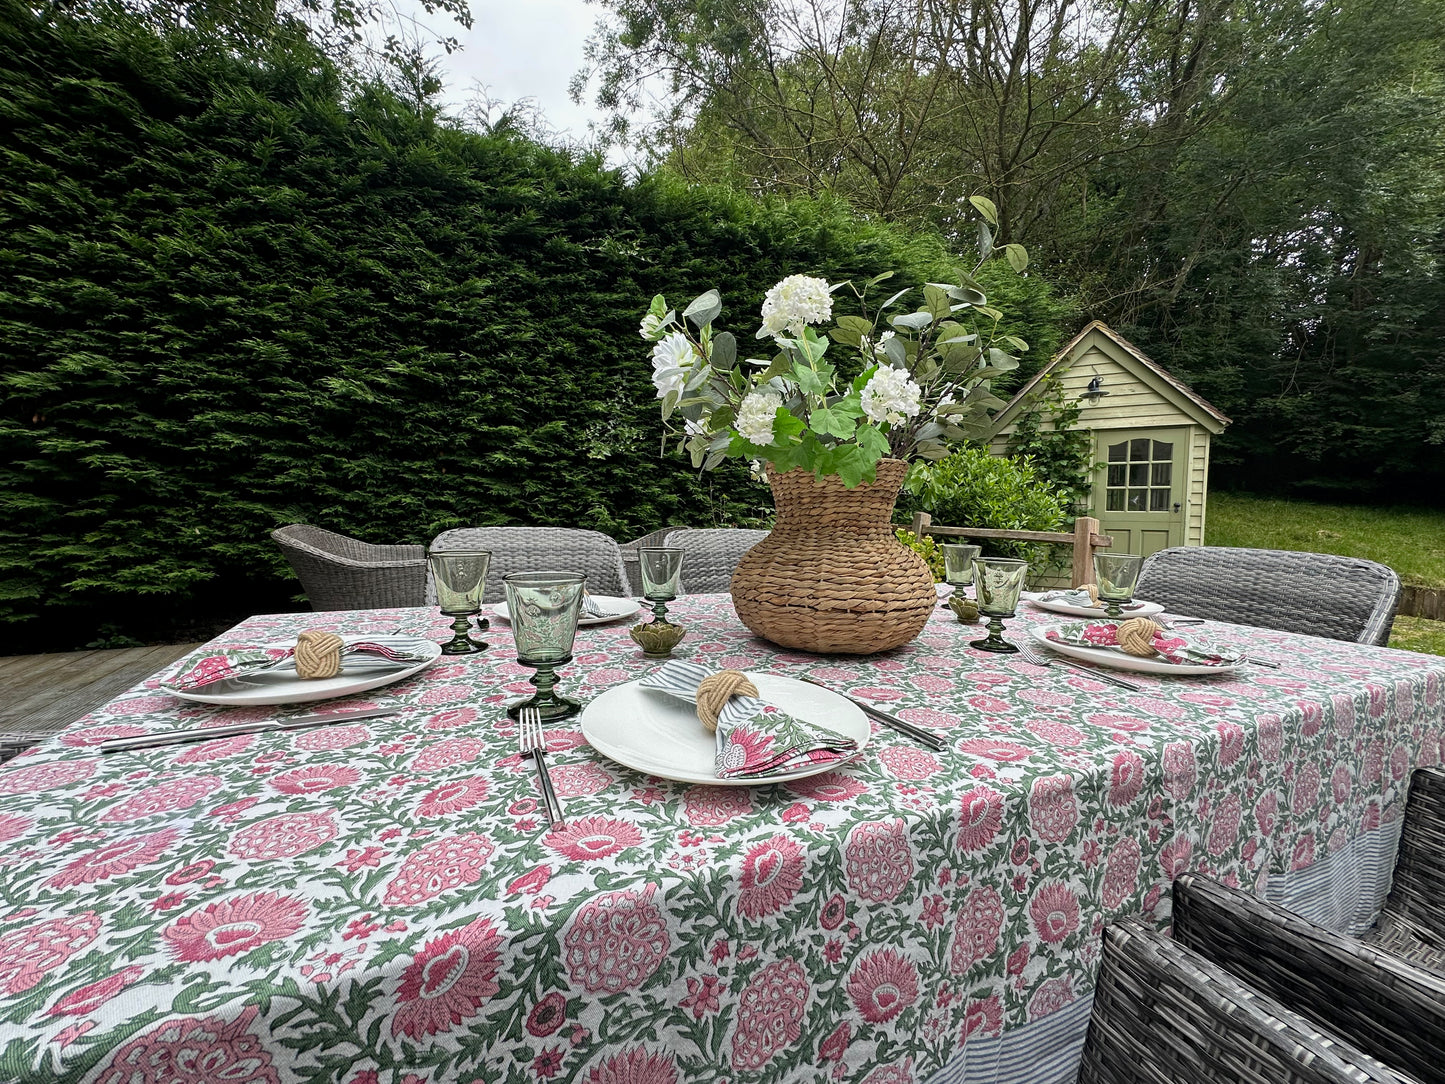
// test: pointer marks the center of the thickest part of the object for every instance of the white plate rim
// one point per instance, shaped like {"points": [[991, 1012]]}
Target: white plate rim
{"points": [[320, 690], [499, 609], [1147, 609], [763, 679], [1118, 661]]}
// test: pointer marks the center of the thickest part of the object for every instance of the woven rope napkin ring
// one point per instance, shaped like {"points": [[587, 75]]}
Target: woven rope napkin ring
{"points": [[715, 689], [1093, 590], [1136, 636], [318, 654]]}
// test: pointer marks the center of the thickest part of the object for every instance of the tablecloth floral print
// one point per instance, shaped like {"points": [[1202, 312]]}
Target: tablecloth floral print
{"points": [[379, 902]]}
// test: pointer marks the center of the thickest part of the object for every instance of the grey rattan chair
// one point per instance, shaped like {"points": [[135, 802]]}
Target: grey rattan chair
{"points": [[629, 554], [539, 549], [1383, 1004], [711, 555], [341, 573], [1163, 1013], [1321, 594]]}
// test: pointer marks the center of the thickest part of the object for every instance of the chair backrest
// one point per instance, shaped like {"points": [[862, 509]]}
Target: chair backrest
{"points": [[1416, 904], [539, 549], [711, 554], [1162, 1012], [1344, 598], [342, 573]]}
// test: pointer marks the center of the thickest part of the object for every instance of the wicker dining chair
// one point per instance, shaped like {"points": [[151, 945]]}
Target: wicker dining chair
{"points": [[629, 554], [341, 573], [710, 555], [1343, 598], [539, 549], [1162, 1013], [1382, 1003]]}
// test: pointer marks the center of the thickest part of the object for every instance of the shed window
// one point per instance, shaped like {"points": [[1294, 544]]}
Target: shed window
{"points": [[1141, 476]]}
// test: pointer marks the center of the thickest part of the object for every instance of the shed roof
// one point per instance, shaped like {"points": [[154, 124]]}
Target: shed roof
{"points": [[1131, 358]]}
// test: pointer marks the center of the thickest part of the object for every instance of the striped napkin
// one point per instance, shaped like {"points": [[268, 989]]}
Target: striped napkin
{"points": [[1173, 647], [202, 669], [755, 739], [1078, 597]]}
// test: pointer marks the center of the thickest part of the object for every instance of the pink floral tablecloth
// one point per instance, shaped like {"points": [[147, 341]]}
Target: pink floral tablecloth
{"points": [[380, 901]]}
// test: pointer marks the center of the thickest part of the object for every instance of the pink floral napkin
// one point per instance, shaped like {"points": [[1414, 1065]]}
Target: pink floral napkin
{"points": [[1173, 647], [755, 739], [199, 670]]}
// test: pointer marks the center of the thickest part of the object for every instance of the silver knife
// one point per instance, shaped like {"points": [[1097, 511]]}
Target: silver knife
{"points": [[211, 733], [918, 733]]}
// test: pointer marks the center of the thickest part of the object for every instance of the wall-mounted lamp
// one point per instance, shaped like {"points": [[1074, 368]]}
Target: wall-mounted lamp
{"points": [[1095, 391]]}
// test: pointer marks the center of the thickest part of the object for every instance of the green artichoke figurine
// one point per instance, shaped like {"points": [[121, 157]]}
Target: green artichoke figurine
{"points": [[965, 608]]}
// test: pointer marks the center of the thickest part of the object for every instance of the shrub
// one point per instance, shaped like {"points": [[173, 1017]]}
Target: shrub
{"points": [[926, 548]]}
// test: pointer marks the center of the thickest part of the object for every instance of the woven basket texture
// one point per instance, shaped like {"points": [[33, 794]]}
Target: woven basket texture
{"points": [[831, 577], [1319, 594], [341, 573], [1412, 923], [711, 555], [1163, 1013], [1391, 1009], [539, 549]]}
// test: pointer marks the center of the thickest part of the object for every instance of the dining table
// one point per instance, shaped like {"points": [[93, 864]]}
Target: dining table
{"points": [[383, 901]]}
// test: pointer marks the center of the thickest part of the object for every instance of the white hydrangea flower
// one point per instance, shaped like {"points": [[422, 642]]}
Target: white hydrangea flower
{"points": [[795, 302], [891, 396], [878, 347], [651, 328], [755, 417], [671, 358]]}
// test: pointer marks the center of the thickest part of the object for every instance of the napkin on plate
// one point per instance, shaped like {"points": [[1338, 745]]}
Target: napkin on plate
{"points": [[1173, 647], [206, 668], [1080, 597], [755, 739]]}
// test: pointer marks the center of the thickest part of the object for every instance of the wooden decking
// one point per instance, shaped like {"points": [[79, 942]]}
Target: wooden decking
{"points": [[49, 692]]}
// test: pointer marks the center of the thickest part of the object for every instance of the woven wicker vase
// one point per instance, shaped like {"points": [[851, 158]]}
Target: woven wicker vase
{"points": [[831, 577]]}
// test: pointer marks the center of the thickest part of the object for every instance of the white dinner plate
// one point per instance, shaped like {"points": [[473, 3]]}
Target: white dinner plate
{"points": [[614, 609], [663, 736], [1119, 660], [282, 686], [1144, 609]]}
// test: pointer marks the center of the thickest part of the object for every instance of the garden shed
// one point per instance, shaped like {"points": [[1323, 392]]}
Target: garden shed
{"points": [[1151, 435]]}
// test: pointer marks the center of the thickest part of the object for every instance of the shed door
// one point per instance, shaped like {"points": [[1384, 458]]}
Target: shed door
{"points": [[1140, 488]]}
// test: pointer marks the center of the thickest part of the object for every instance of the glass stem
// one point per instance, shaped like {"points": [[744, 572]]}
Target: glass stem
{"points": [[659, 612]]}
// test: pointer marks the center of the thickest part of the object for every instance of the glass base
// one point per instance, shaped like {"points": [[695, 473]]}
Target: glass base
{"points": [[461, 643], [1114, 608], [995, 641], [551, 706]]}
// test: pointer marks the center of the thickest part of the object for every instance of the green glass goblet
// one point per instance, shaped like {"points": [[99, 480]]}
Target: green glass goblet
{"points": [[661, 568], [543, 607], [460, 577], [1116, 575], [958, 563], [997, 583]]}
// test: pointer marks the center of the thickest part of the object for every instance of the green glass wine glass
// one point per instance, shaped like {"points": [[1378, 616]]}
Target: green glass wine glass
{"points": [[1116, 575], [460, 578], [543, 608], [661, 568], [958, 563], [998, 582]]}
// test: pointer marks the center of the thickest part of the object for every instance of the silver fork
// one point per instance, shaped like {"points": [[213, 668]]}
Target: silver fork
{"points": [[1030, 655], [529, 731]]}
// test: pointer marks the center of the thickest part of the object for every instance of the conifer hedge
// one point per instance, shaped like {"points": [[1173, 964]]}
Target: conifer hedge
{"points": [[235, 296]]}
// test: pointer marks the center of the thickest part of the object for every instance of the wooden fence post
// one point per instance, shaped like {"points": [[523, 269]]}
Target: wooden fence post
{"points": [[920, 524], [1085, 527]]}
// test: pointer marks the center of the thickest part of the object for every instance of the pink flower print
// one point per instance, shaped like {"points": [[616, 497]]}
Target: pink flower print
{"points": [[770, 1014], [891, 1074], [635, 1066], [1306, 789], [710, 807], [771, 876], [94, 735], [442, 864], [359, 858], [577, 780], [1121, 872], [169, 901], [1180, 772], [1224, 825], [86, 999], [615, 941], [547, 1015], [547, 1064], [1053, 811], [448, 981], [332, 737], [1174, 857], [589, 839], [976, 929], [834, 912], [1341, 782], [449, 753], [313, 779], [1344, 710], [878, 862], [1019, 855], [216, 749], [1269, 737], [983, 1017], [1374, 766], [1304, 853], [992, 749], [981, 820], [1399, 762], [114, 858], [1050, 997], [165, 797], [1057, 733], [702, 996], [935, 911], [989, 705], [28, 953], [1231, 743], [882, 985], [195, 871], [453, 797], [836, 1045], [38, 777], [284, 836], [1102, 634], [193, 1050], [452, 717], [1054, 911], [1126, 779], [231, 927], [1379, 701], [1018, 959], [905, 762], [1264, 810], [231, 810], [140, 705], [828, 787], [12, 827], [446, 694], [533, 881]]}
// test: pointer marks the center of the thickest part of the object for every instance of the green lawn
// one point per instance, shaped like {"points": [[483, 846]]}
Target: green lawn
{"points": [[1409, 540]]}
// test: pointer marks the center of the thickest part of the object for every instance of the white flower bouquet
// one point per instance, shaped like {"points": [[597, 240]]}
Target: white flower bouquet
{"points": [[910, 388]]}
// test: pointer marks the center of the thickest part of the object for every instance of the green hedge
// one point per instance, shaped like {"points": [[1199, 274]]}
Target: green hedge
{"points": [[234, 297]]}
